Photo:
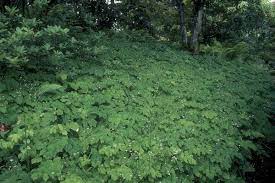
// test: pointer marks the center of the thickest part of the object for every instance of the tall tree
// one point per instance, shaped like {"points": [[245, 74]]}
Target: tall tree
{"points": [[197, 24], [181, 9]]}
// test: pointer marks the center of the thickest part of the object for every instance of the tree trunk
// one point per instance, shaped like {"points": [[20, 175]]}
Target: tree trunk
{"points": [[113, 10], [183, 34], [112, 2], [197, 24], [23, 6]]}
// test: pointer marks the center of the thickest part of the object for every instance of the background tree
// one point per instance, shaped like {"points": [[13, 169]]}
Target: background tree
{"points": [[181, 9], [189, 22]]}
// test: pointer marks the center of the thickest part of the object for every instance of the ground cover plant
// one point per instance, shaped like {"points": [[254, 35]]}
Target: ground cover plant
{"points": [[138, 111]]}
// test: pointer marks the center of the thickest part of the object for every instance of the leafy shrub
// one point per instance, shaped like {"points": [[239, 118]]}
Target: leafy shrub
{"points": [[24, 40], [28, 41], [230, 51], [135, 116], [68, 15]]}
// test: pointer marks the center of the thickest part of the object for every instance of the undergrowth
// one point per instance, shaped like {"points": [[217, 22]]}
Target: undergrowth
{"points": [[137, 112]]}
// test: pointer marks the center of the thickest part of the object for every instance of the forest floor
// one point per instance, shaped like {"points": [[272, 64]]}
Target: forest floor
{"points": [[178, 114]]}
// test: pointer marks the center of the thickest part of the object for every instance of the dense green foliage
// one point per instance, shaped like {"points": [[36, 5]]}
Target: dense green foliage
{"points": [[99, 91], [230, 20], [24, 40], [140, 112], [268, 51]]}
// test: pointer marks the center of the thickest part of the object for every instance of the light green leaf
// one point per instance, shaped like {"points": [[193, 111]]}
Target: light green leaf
{"points": [[49, 88]]}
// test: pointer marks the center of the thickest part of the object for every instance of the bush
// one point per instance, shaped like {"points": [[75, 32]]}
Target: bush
{"points": [[25, 40], [28, 41], [230, 51]]}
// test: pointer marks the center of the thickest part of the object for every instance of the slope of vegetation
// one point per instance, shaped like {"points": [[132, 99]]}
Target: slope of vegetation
{"points": [[90, 91], [138, 111]]}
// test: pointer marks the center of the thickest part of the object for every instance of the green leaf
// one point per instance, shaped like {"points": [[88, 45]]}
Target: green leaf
{"points": [[3, 109], [48, 169], [73, 126], [187, 158], [62, 76], [54, 147], [209, 114], [49, 89], [73, 179], [2, 87], [36, 160], [123, 172]]}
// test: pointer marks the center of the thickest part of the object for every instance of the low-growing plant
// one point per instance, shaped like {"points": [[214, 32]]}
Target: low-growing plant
{"points": [[134, 116]]}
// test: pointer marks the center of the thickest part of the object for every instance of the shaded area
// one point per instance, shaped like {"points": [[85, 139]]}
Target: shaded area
{"points": [[264, 167]]}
